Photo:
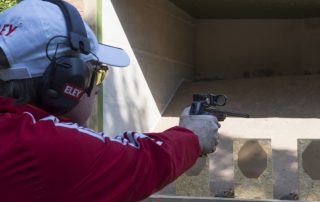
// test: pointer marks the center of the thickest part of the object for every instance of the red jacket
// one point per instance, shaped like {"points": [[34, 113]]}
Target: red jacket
{"points": [[43, 158]]}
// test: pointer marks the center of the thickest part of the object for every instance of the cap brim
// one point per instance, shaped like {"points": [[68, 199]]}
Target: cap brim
{"points": [[112, 56]]}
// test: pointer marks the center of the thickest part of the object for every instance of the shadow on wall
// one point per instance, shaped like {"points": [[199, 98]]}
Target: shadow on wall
{"points": [[282, 96], [161, 36], [125, 113], [128, 102], [285, 174]]}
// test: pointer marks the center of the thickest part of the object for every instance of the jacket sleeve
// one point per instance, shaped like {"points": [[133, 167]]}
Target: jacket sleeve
{"points": [[158, 159], [89, 166]]}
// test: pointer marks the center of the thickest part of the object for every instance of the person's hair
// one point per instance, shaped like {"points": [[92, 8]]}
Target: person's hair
{"points": [[24, 91]]}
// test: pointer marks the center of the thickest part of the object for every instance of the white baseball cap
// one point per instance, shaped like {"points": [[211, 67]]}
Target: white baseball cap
{"points": [[27, 28]]}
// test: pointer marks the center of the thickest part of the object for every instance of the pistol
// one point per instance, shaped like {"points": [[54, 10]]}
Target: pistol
{"points": [[206, 104]]}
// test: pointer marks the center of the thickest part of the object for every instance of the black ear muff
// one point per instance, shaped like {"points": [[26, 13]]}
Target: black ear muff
{"points": [[67, 77], [4, 63], [63, 84]]}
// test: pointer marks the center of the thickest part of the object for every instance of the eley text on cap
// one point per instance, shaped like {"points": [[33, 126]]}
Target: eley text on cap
{"points": [[26, 29]]}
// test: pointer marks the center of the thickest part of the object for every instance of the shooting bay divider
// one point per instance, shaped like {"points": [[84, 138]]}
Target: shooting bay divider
{"points": [[194, 185], [309, 169], [253, 172], [252, 160], [253, 169]]}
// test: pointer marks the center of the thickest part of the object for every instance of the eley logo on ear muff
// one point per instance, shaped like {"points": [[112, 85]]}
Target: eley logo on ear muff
{"points": [[73, 91]]}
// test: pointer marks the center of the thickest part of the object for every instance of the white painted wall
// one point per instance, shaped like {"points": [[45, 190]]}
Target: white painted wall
{"points": [[128, 102], [159, 39], [163, 40]]}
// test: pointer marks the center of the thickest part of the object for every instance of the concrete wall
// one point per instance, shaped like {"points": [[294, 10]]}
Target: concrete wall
{"points": [[160, 40], [246, 48], [311, 46], [163, 40]]}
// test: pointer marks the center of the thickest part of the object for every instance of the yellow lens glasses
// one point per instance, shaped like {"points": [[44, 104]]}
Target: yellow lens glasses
{"points": [[101, 73], [98, 73]]}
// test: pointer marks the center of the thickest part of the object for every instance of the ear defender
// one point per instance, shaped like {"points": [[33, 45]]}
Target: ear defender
{"points": [[63, 84], [67, 77]]}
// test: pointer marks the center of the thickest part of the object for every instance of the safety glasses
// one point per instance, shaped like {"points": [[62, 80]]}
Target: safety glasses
{"points": [[99, 72]]}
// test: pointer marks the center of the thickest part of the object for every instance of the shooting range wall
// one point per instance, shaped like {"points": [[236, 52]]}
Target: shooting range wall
{"points": [[160, 40], [162, 37], [168, 46], [244, 48]]}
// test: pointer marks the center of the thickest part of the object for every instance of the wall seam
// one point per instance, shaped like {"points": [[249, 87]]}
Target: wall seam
{"points": [[186, 21], [168, 102], [148, 53]]}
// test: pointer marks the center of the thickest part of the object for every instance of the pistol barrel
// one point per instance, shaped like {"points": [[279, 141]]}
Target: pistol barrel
{"points": [[236, 114], [222, 114]]}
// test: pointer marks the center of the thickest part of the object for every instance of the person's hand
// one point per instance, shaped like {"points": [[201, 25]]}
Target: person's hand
{"points": [[205, 127]]}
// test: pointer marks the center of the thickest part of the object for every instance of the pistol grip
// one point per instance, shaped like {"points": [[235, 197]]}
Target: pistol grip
{"points": [[195, 108]]}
